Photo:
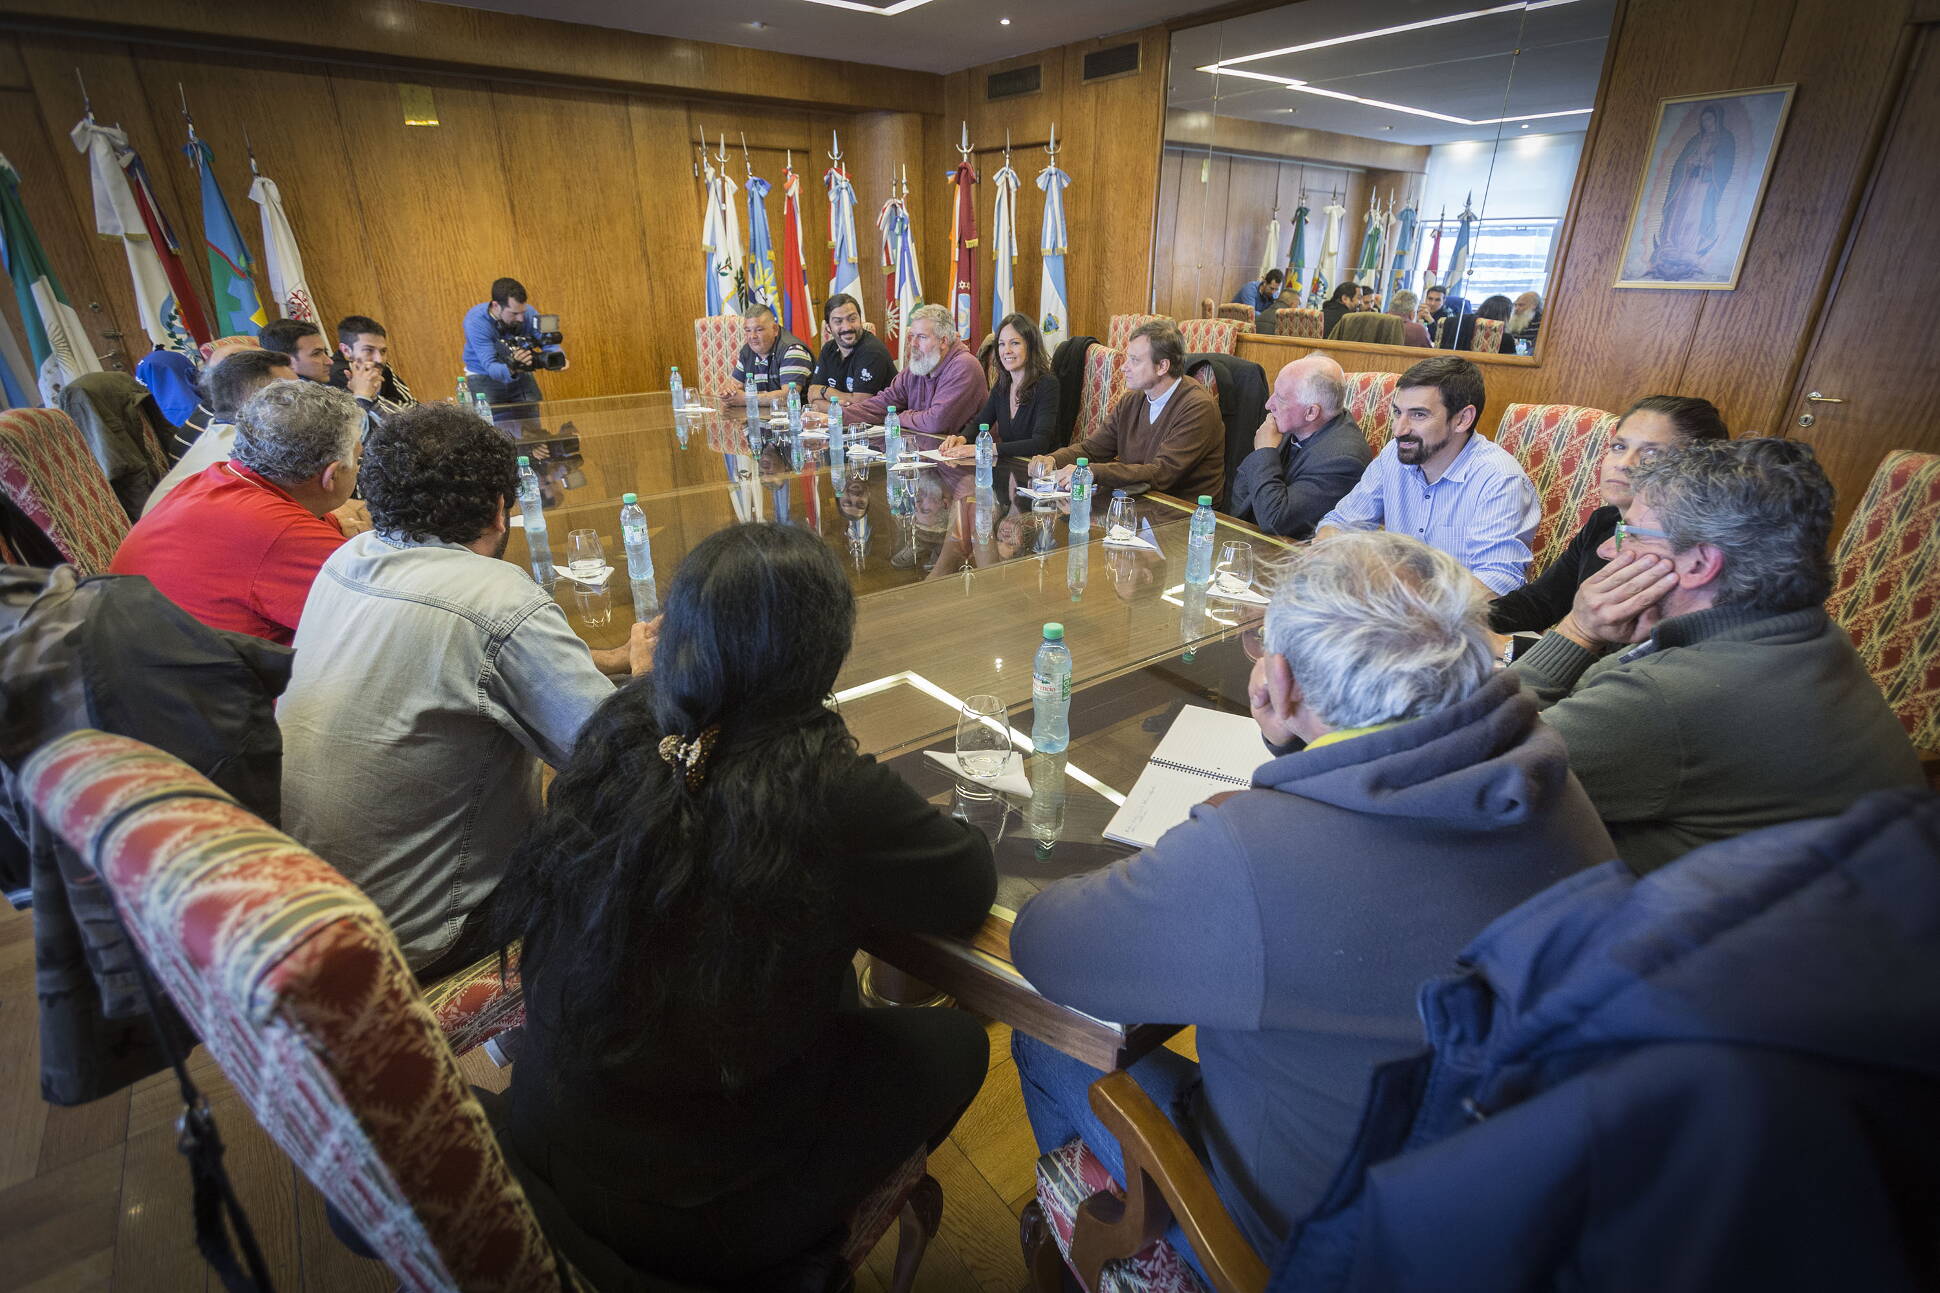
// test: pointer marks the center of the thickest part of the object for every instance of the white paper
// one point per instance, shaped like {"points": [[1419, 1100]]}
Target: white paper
{"points": [[1204, 752], [1054, 494], [1131, 541], [1012, 780], [694, 408], [1249, 595], [593, 580]]}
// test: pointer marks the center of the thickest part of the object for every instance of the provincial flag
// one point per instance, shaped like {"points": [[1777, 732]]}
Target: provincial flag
{"points": [[237, 307]]}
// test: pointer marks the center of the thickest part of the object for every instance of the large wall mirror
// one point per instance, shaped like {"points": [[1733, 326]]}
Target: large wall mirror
{"points": [[1397, 145]]}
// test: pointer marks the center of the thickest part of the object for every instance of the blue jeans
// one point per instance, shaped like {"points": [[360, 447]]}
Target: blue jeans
{"points": [[1057, 1100]]}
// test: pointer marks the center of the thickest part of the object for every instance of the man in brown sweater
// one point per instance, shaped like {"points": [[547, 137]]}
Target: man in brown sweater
{"points": [[1165, 433]]}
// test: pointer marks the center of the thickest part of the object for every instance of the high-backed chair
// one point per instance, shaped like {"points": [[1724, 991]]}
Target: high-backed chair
{"points": [[295, 984], [1209, 336], [1300, 321], [1208, 308], [48, 473], [1487, 338], [1244, 315], [1369, 400], [1119, 331], [1886, 590], [1559, 445], [1370, 328], [717, 340], [1104, 383]]}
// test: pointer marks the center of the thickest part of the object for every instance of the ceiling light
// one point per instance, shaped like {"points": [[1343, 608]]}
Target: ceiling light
{"points": [[888, 11], [1003, 22], [1525, 125], [1293, 83], [1520, 7]]}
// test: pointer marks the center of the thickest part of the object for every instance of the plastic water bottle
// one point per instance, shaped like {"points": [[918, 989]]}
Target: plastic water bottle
{"points": [[1081, 502], [1199, 544], [462, 396], [986, 455], [892, 436], [751, 396], [483, 405], [633, 533], [838, 435], [1051, 693], [676, 389], [533, 512], [794, 410]]}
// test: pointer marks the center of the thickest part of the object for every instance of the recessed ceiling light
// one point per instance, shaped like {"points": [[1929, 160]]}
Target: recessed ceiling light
{"points": [[886, 11], [1387, 127], [1525, 125], [1003, 22], [758, 25]]}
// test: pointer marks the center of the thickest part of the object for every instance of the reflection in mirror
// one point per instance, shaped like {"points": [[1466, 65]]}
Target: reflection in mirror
{"points": [[1335, 158]]}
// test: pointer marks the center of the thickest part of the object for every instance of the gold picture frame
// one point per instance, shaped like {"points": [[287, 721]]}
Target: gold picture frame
{"points": [[1696, 204]]}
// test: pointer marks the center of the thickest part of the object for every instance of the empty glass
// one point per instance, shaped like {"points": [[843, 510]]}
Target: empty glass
{"points": [[1119, 518], [1042, 474], [1233, 573], [983, 738], [584, 556]]}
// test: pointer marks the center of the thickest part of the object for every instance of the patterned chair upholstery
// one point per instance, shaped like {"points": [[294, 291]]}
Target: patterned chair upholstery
{"points": [[1104, 383], [48, 473], [1240, 314], [717, 340], [1119, 332], [1886, 589], [1209, 336], [1065, 1179], [1369, 399], [295, 984], [1300, 321], [1559, 445], [1488, 336]]}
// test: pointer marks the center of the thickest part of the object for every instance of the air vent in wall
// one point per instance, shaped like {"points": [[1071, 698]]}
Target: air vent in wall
{"points": [[1116, 61], [1019, 80]]}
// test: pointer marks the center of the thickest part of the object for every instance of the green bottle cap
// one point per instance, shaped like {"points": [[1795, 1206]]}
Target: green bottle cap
{"points": [[1053, 632], [629, 498], [524, 461], [892, 408], [1084, 462], [1205, 500], [983, 426]]}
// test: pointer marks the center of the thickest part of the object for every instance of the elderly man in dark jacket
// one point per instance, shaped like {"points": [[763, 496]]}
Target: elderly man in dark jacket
{"points": [[1306, 455], [1293, 922]]}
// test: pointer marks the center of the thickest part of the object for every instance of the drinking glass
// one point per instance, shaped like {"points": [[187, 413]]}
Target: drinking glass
{"points": [[584, 556], [1233, 573], [1041, 473], [983, 738], [1118, 519]]}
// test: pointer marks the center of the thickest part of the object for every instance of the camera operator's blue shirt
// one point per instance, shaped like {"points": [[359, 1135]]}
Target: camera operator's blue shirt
{"points": [[485, 349]]}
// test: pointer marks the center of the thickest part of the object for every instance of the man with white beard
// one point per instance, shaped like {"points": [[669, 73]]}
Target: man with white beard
{"points": [[941, 386], [1526, 317]]}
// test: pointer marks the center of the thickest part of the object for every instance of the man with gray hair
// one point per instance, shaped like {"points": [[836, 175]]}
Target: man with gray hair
{"points": [[1412, 796], [1404, 306], [1306, 455], [941, 386], [1697, 680], [238, 545]]}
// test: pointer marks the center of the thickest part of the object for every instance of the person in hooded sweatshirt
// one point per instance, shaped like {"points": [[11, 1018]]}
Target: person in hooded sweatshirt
{"points": [[1412, 796]]}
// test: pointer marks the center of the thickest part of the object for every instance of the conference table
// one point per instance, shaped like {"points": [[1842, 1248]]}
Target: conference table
{"points": [[954, 587]]}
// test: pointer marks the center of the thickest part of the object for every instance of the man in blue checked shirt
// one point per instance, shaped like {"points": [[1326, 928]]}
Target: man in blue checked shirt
{"points": [[1440, 481]]}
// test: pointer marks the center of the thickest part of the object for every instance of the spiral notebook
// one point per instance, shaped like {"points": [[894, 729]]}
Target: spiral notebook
{"points": [[1204, 752]]}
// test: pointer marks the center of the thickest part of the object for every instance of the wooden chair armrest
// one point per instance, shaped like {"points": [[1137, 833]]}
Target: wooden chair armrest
{"points": [[1163, 1180]]}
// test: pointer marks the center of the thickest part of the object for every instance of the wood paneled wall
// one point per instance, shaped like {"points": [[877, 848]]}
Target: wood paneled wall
{"points": [[586, 195], [1109, 134], [1605, 346]]}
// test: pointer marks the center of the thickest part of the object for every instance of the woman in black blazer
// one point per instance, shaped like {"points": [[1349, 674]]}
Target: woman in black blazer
{"points": [[1022, 410]]}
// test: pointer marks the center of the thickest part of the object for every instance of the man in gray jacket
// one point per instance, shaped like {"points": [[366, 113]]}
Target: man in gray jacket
{"points": [[1293, 922], [431, 680], [1697, 680], [1306, 455]]}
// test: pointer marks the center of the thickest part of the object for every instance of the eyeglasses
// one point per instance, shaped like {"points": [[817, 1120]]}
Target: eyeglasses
{"points": [[1625, 530]]}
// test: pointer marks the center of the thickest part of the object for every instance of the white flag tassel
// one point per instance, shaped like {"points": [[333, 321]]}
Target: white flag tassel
{"points": [[287, 282], [118, 216]]}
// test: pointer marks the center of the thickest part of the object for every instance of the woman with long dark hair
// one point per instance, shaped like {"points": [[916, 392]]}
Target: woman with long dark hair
{"points": [[1022, 410], [696, 1082]]}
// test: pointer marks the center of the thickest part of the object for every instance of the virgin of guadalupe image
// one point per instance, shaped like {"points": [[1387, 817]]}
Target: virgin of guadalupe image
{"points": [[1689, 227]]}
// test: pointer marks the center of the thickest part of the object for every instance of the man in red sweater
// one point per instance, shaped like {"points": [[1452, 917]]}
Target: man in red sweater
{"points": [[237, 545]]}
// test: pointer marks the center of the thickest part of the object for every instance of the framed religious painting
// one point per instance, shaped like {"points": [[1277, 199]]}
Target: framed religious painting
{"points": [[1698, 199]]}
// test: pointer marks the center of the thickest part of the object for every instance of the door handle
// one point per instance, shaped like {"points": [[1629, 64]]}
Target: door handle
{"points": [[1817, 398]]}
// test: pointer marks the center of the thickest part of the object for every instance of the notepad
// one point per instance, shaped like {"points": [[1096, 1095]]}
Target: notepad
{"points": [[1204, 752]]}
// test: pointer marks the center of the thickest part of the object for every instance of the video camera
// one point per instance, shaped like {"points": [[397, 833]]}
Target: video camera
{"points": [[538, 332]]}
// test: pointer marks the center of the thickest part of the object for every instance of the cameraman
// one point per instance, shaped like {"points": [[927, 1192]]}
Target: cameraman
{"points": [[501, 352]]}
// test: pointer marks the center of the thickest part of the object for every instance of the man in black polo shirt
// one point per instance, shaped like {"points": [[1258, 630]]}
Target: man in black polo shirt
{"points": [[855, 364]]}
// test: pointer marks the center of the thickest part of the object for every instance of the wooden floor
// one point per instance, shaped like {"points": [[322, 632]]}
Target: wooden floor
{"points": [[96, 1197]]}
